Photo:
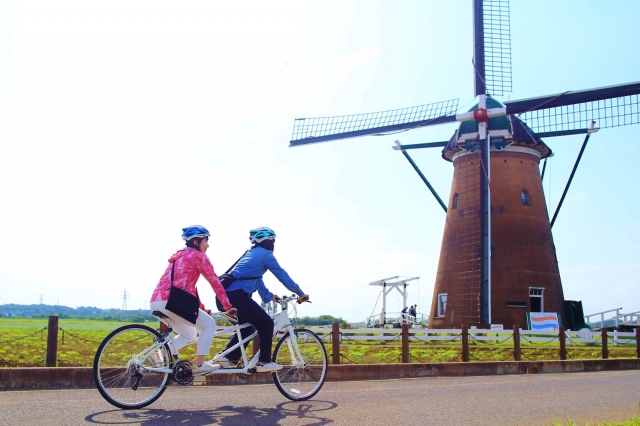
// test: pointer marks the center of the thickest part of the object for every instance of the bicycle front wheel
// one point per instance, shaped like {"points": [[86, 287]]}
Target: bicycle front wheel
{"points": [[304, 361], [121, 367]]}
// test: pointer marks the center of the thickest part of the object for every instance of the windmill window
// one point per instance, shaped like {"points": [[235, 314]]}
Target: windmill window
{"points": [[455, 200], [536, 299], [524, 195], [442, 304]]}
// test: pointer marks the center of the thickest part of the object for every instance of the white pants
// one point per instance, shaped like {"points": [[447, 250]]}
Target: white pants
{"points": [[187, 332]]}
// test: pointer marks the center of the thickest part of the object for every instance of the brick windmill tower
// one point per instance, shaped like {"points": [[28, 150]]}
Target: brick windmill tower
{"points": [[497, 260], [524, 267]]}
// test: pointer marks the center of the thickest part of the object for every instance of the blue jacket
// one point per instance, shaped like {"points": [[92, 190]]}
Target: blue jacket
{"points": [[254, 264]]}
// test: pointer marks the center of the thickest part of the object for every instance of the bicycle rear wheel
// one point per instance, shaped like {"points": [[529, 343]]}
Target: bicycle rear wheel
{"points": [[121, 363], [300, 379]]}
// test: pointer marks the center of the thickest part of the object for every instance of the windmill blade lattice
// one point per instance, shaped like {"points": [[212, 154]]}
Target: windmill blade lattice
{"points": [[567, 112], [497, 46], [321, 129], [605, 113]]}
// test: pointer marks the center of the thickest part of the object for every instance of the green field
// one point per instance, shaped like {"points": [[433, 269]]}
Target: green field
{"points": [[23, 343], [71, 324]]}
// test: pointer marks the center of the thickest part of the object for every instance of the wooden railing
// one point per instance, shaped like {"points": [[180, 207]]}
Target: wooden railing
{"points": [[336, 336]]}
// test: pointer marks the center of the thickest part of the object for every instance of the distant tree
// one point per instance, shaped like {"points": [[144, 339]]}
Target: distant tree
{"points": [[321, 320], [136, 318], [89, 312], [271, 308]]}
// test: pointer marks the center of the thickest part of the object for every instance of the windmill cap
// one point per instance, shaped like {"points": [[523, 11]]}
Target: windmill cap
{"points": [[510, 127]]}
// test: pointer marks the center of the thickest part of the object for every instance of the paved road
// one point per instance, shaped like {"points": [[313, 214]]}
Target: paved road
{"points": [[541, 399]]}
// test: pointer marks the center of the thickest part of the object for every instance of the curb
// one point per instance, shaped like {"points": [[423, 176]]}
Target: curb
{"points": [[82, 377]]}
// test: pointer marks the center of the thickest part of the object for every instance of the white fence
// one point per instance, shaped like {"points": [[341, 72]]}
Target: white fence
{"points": [[482, 335], [616, 320]]}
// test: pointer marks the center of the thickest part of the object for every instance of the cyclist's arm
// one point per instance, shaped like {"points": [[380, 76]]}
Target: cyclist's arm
{"points": [[272, 264], [264, 292], [206, 269]]}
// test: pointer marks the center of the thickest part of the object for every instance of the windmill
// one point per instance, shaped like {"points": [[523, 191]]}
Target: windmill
{"points": [[497, 259]]}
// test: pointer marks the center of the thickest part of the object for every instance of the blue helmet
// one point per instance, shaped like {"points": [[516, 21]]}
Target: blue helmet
{"points": [[194, 231], [258, 235]]}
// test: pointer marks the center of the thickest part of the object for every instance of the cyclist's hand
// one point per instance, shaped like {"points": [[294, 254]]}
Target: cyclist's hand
{"points": [[303, 298], [232, 312], [208, 311], [275, 298]]}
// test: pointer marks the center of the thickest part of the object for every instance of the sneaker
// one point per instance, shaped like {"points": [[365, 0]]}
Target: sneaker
{"points": [[225, 362], [270, 366], [206, 368]]}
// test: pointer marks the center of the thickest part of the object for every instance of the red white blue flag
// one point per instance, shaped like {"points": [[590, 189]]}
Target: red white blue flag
{"points": [[544, 320]]}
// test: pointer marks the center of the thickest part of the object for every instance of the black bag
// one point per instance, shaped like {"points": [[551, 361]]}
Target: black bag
{"points": [[227, 279], [183, 303]]}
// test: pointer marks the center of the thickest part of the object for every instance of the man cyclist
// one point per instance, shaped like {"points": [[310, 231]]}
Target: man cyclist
{"points": [[187, 265], [254, 264]]}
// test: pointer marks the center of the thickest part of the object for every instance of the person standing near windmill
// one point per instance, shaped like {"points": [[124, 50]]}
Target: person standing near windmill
{"points": [[404, 315]]}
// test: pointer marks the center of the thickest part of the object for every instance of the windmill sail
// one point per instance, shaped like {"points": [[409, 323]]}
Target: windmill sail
{"points": [[492, 47], [573, 112], [322, 129], [497, 46]]}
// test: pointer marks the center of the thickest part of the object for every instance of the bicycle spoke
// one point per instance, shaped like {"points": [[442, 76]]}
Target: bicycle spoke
{"points": [[300, 379], [117, 368]]}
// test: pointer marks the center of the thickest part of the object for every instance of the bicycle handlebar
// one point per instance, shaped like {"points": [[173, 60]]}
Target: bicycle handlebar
{"points": [[281, 300]]}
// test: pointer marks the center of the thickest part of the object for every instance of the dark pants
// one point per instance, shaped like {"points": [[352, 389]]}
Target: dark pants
{"points": [[249, 311]]}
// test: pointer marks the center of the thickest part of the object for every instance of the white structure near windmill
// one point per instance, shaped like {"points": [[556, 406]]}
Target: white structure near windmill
{"points": [[386, 318]]}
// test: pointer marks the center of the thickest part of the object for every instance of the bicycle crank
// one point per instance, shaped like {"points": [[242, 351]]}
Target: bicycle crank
{"points": [[183, 373]]}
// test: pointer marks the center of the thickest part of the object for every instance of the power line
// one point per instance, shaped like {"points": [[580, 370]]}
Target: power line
{"points": [[125, 296]]}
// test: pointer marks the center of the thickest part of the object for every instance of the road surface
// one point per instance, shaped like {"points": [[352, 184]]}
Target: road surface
{"points": [[536, 399]]}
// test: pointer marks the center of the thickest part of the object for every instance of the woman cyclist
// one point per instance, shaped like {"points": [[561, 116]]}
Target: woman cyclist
{"points": [[253, 264], [190, 263]]}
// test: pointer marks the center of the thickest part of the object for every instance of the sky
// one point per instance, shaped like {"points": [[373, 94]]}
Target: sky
{"points": [[123, 121]]}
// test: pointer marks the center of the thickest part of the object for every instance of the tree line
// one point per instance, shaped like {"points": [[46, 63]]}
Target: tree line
{"points": [[81, 312], [138, 315]]}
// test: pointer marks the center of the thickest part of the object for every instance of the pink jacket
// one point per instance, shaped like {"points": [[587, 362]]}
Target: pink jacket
{"points": [[190, 263]]}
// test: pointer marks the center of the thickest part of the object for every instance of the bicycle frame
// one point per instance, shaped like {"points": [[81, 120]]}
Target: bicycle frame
{"points": [[282, 323], [132, 382]]}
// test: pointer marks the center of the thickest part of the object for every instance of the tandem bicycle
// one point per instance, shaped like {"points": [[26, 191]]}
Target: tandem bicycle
{"points": [[135, 363]]}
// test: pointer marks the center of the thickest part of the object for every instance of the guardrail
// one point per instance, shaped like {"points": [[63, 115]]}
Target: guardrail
{"points": [[616, 318], [397, 317], [628, 319], [564, 338]]}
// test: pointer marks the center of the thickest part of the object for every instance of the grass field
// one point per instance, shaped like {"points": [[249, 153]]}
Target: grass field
{"points": [[71, 324], [23, 343]]}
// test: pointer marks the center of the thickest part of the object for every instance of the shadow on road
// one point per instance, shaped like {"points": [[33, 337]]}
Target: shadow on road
{"points": [[306, 412]]}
